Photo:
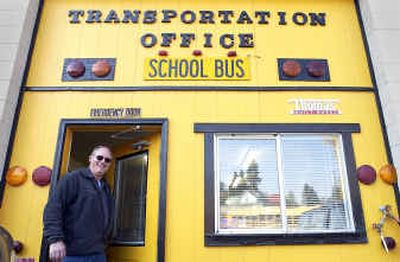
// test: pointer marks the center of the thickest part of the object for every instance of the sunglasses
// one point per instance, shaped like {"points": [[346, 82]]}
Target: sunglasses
{"points": [[100, 158]]}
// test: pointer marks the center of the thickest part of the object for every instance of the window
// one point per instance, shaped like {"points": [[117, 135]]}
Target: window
{"points": [[130, 199], [282, 183], [282, 187]]}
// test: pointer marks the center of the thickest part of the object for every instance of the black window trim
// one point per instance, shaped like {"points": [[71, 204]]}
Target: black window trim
{"points": [[213, 239]]}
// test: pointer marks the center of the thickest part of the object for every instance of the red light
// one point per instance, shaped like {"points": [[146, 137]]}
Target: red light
{"points": [[232, 54], [163, 53], [366, 174], [197, 53], [315, 69]]}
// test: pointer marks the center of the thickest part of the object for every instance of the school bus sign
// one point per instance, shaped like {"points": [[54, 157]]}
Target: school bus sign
{"points": [[209, 68]]}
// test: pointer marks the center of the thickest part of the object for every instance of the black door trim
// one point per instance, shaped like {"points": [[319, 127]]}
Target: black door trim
{"points": [[163, 122]]}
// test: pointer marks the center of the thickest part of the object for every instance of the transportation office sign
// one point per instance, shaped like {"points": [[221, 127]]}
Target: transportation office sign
{"points": [[175, 33], [172, 19]]}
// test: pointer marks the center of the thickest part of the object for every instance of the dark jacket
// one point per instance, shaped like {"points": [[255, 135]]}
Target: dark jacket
{"points": [[79, 212]]}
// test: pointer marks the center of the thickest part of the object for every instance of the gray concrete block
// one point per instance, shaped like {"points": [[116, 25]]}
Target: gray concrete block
{"points": [[4, 85], [7, 52], [384, 15], [10, 17], [5, 70], [393, 76], [2, 103], [12, 5], [10, 34], [387, 42], [380, 8]]}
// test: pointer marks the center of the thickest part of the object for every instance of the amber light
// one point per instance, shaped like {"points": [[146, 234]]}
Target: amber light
{"points": [[16, 176], [101, 68], [388, 174], [291, 68]]}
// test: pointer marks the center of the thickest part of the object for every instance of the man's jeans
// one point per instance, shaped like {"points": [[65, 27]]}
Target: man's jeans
{"points": [[91, 258]]}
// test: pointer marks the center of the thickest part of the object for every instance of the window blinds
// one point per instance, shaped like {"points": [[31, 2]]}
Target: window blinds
{"points": [[312, 172]]}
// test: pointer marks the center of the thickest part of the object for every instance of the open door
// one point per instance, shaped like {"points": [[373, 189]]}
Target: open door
{"points": [[137, 178], [130, 198], [136, 183]]}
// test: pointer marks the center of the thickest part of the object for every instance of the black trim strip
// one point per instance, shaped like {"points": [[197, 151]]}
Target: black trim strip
{"points": [[195, 88], [163, 122], [163, 193], [19, 103], [352, 179], [213, 239], [377, 98], [286, 239], [62, 130], [275, 128], [209, 187]]}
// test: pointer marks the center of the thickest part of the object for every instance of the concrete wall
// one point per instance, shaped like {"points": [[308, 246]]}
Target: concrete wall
{"points": [[17, 18], [382, 24]]}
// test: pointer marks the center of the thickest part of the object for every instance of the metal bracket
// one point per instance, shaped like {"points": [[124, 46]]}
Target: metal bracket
{"points": [[386, 214]]}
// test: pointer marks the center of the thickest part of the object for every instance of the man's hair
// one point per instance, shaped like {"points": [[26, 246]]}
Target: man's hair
{"points": [[98, 147]]}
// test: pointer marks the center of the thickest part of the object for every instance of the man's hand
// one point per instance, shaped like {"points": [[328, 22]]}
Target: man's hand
{"points": [[57, 251]]}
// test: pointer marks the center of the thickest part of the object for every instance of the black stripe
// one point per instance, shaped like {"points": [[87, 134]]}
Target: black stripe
{"points": [[162, 208], [275, 128], [209, 186], [196, 88]]}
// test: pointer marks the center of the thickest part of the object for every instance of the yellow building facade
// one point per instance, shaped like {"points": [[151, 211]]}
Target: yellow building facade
{"points": [[246, 131]]}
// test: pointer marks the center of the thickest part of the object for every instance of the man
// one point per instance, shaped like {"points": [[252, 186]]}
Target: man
{"points": [[78, 217]]}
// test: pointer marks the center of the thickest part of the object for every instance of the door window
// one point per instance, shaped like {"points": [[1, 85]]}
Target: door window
{"points": [[130, 199]]}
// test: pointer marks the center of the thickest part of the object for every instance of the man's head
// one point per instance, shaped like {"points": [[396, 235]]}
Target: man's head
{"points": [[100, 161]]}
